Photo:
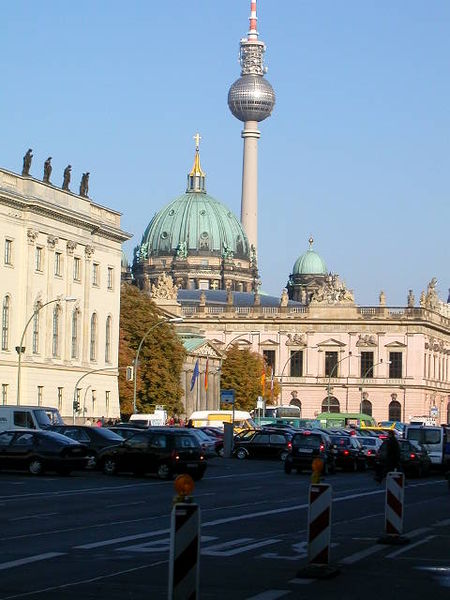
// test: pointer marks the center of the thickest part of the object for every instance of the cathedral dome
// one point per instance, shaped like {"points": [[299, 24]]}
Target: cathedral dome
{"points": [[310, 263]]}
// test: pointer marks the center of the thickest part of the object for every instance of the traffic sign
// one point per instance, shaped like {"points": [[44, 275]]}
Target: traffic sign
{"points": [[434, 411], [227, 396]]}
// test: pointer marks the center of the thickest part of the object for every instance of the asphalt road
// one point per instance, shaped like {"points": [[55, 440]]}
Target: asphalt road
{"points": [[92, 536]]}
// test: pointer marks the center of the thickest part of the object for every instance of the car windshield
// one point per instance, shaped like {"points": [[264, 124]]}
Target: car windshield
{"points": [[57, 437], [306, 441], [46, 417], [108, 434], [340, 441], [201, 435]]}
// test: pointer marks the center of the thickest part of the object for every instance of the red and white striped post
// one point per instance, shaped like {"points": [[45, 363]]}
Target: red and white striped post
{"points": [[395, 493], [319, 533]]}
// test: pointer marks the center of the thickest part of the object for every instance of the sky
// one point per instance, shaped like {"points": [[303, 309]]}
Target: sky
{"points": [[356, 152]]}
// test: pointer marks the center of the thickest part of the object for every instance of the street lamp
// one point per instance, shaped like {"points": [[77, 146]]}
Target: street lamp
{"points": [[238, 337], [365, 375], [21, 349], [172, 320], [282, 372], [333, 370]]}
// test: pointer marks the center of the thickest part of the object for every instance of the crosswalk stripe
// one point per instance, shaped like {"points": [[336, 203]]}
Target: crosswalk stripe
{"points": [[29, 559]]}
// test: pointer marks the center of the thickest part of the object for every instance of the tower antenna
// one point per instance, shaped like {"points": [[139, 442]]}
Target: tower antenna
{"points": [[253, 33]]}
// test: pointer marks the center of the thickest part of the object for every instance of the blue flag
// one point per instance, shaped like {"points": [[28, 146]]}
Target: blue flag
{"points": [[195, 374]]}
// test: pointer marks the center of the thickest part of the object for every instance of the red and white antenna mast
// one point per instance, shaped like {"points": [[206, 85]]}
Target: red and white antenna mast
{"points": [[253, 33]]}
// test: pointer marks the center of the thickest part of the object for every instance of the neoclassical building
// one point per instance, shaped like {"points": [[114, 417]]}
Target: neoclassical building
{"points": [[60, 270]]}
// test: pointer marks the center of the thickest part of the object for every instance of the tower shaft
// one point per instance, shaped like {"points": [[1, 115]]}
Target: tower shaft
{"points": [[249, 202]]}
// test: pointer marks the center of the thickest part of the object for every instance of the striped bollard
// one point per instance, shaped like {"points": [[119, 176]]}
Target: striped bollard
{"points": [[319, 534], [184, 552], [395, 492]]}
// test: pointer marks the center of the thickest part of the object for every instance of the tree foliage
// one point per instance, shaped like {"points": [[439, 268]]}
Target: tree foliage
{"points": [[160, 360], [242, 371]]}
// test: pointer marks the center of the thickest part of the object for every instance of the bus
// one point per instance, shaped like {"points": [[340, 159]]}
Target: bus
{"points": [[338, 420], [280, 412]]}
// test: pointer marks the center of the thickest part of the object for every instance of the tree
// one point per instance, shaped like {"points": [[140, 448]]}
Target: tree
{"points": [[160, 360], [242, 371]]}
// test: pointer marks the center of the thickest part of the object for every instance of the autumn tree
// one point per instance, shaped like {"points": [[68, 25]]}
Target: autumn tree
{"points": [[242, 371], [160, 359]]}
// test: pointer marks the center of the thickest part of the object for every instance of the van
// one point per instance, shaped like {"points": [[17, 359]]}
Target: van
{"points": [[216, 418], [435, 440], [159, 417], [29, 417]]}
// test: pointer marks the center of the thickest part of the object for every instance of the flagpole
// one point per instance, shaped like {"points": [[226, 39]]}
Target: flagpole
{"points": [[198, 394]]}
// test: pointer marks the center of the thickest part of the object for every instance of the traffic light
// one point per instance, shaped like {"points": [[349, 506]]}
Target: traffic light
{"points": [[130, 373], [76, 405]]}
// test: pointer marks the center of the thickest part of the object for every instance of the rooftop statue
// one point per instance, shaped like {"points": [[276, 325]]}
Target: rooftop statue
{"points": [[47, 170], [333, 291], [66, 177], [84, 185], [27, 163], [164, 289]]}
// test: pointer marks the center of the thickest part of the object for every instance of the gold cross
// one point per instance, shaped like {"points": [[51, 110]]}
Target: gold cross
{"points": [[197, 138], [214, 285]]}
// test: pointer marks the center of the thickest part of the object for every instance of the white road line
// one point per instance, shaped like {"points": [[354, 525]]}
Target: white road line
{"points": [[36, 516], [119, 540], [269, 595], [349, 560], [415, 532], [410, 546], [125, 504], [30, 559], [234, 547], [443, 523]]}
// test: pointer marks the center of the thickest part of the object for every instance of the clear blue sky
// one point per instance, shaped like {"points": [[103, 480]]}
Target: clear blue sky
{"points": [[356, 152]]}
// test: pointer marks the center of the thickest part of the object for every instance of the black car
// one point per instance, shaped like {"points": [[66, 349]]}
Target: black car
{"points": [[263, 444], [40, 451], [350, 454], [93, 438], [308, 445], [125, 432], [414, 458], [162, 450]]}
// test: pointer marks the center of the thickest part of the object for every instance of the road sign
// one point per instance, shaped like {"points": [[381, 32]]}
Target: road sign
{"points": [[227, 396], [434, 412]]}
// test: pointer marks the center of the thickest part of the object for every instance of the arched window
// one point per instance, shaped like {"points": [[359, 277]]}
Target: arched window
{"points": [[366, 407], [5, 322], [36, 323], [108, 340], [296, 402], [395, 411], [93, 341], [75, 332], [331, 404], [55, 331]]}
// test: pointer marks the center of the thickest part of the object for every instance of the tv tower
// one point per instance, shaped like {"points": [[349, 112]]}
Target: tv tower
{"points": [[251, 99]]}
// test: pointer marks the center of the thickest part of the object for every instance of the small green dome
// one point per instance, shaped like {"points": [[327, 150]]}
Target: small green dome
{"points": [[310, 263]]}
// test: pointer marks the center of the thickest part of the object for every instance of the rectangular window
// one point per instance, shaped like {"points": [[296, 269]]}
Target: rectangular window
{"points": [[366, 365], [36, 334], [58, 264], [269, 358], [4, 393], [77, 269], [396, 366], [296, 363], [60, 398], [8, 252], [38, 258], [331, 364], [95, 274], [110, 278], [107, 399], [40, 394]]}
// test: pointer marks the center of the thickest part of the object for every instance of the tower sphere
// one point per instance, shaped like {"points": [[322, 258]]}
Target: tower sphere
{"points": [[251, 98]]}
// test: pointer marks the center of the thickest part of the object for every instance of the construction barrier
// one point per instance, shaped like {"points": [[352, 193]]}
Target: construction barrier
{"points": [[184, 552], [395, 491]]}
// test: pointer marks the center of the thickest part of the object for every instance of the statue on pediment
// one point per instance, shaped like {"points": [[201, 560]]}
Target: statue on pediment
{"points": [[164, 288], [333, 291], [431, 297], [296, 339]]}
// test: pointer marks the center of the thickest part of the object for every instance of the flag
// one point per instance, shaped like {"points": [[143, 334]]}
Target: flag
{"points": [[263, 382], [195, 374], [206, 374]]}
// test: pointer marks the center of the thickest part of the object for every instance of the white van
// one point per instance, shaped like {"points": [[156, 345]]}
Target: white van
{"points": [[216, 418], [159, 417], [29, 417], [434, 439]]}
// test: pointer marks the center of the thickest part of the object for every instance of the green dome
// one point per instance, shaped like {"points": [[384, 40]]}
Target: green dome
{"points": [[310, 263]]}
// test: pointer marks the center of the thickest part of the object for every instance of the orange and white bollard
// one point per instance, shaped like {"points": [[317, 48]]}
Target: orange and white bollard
{"points": [[395, 494]]}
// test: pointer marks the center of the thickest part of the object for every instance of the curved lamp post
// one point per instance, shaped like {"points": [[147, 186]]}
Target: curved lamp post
{"points": [[332, 372], [282, 372], [75, 399], [241, 335], [381, 362], [172, 320], [21, 349]]}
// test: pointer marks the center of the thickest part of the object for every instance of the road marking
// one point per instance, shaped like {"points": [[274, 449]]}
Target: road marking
{"points": [[125, 504], [410, 546], [36, 516], [119, 540], [415, 532], [443, 523], [349, 560], [30, 559], [161, 545], [297, 581], [269, 595], [233, 547], [250, 489]]}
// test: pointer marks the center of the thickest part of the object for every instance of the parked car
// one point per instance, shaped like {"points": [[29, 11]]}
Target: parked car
{"points": [[40, 451], [207, 442], [371, 446], [349, 453], [217, 434], [267, 443], [125, 432], [162, 450], [414, 458], [93, 438], [308, 445]]}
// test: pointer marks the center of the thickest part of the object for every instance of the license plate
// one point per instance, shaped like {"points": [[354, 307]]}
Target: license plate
{"points": [[192, 465], [306, 451]]}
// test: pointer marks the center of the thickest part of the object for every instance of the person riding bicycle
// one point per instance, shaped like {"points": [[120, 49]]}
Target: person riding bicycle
{"points": [[389, 457]]}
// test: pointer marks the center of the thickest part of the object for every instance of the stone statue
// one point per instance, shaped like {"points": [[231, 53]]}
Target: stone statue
{"points": [[422, 300], [411, 299], [303, 296], [202, 298], [284, 298], [227, 253], [229, 296], [164, 288], [182, 250], [47, 170], [253, 259], [27, 163], [256, 299], [84, 185], [382, 298], [431, 298], [333, 291], [66, 177]]}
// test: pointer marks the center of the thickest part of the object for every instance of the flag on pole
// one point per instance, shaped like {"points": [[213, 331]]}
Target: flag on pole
{"points": [[195, 374], [263, 382], [206, 374]]}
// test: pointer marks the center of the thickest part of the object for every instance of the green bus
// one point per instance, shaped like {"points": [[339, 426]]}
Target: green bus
{"points": [[331, 420]]}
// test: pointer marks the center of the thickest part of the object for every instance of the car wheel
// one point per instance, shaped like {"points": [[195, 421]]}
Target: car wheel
{"points": [[241, 453], [164, 471], [35, 466], [287, 467], [110, 466], [283, 455]]}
